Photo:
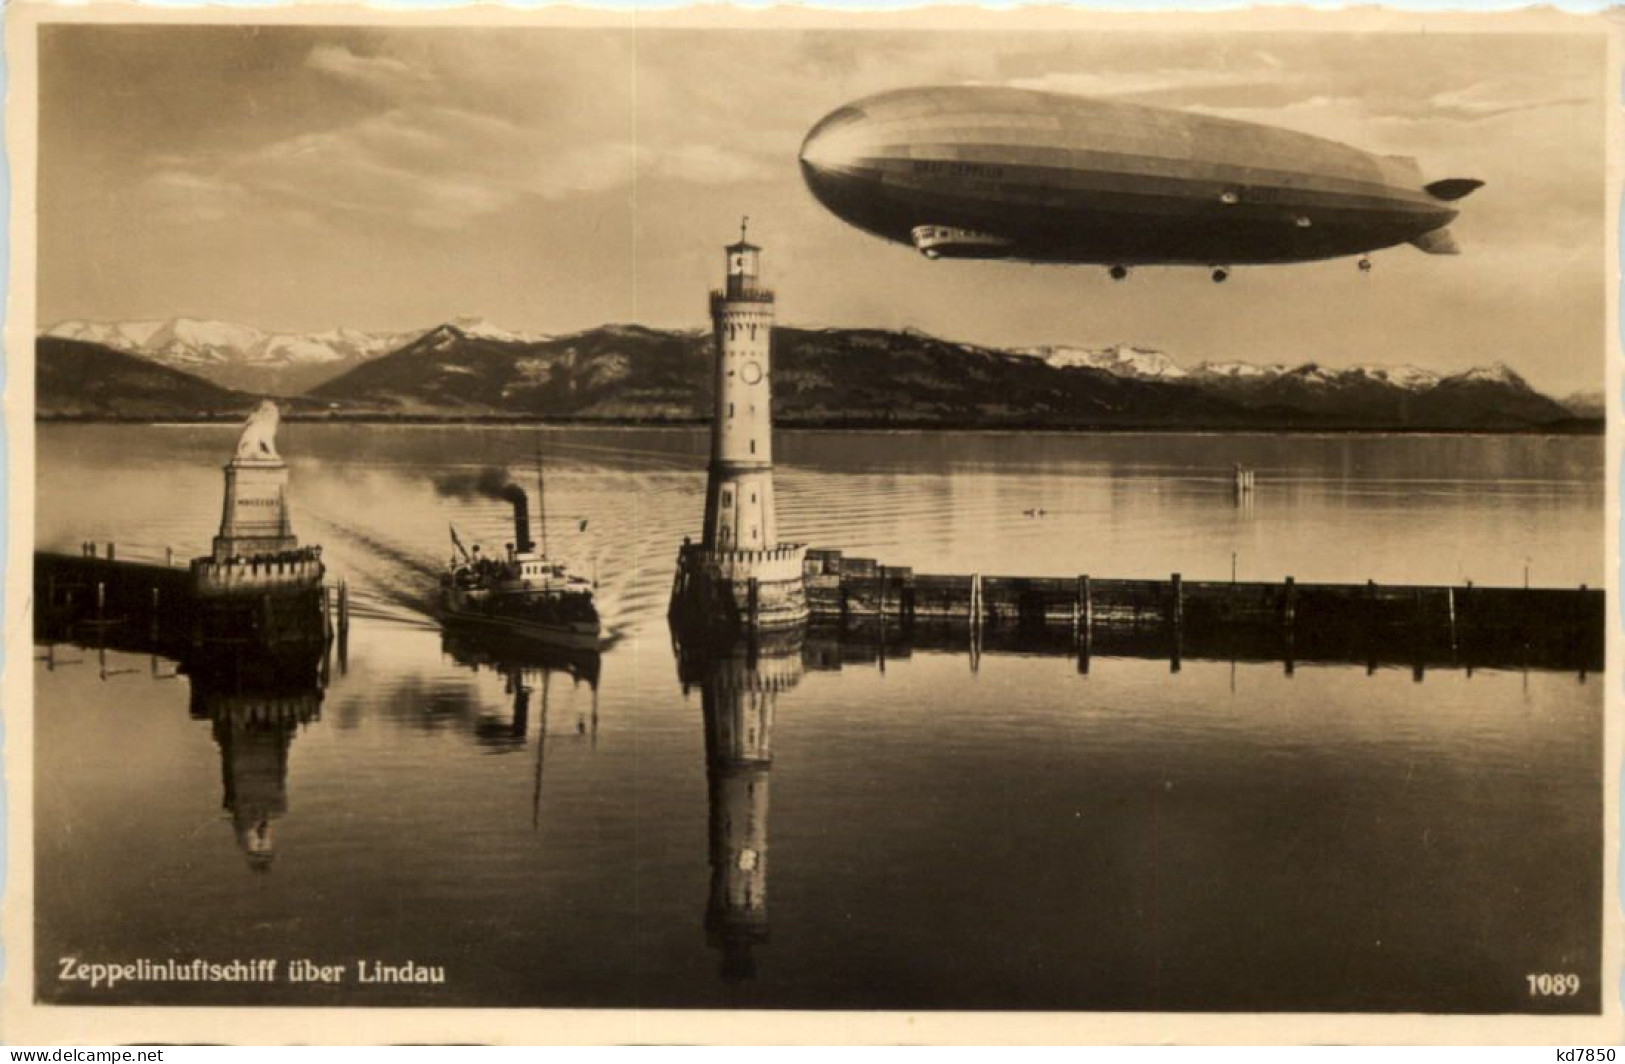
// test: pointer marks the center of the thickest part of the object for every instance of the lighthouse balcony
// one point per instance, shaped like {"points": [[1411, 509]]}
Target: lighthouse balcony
{"points": [[782, 563], [740, 293]]}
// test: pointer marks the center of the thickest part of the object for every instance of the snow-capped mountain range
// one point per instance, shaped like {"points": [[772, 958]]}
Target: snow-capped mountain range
{"points": [[251, 359], [1141, 363], [259, 361], [833, 376], [1124, 360]]}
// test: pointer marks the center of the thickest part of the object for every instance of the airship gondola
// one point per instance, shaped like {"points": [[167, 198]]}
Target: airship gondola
{"points": [[994, 173]]}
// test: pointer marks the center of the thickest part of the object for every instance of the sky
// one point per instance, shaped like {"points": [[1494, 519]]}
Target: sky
{"points": [[548, 180]]}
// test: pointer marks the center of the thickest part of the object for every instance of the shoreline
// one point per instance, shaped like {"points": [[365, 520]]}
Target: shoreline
{"points": [[1575, 427]]}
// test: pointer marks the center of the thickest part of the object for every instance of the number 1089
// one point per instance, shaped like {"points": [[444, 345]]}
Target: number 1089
{"points": [[1552, 984]]}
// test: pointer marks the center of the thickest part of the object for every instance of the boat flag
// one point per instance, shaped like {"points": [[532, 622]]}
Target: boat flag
{"points": [[457, 542]]}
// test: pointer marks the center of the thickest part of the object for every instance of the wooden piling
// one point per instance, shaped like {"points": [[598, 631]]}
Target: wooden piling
{"points": [[1361, 621], [169, 557], [344, 627], [1178, 585], [1450, 601], [109, 552]]}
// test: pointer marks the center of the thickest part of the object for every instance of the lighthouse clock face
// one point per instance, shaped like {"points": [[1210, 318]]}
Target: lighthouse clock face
{"points": [[751, 372]]}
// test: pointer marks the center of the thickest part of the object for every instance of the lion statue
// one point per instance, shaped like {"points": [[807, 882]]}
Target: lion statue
{"points": [[258, 441]]}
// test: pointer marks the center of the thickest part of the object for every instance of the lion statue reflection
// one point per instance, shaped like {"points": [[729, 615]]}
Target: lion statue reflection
{"points": [[258, 441]]}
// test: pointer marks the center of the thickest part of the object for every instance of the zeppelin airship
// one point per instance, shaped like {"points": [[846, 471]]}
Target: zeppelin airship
{"points": [[997, 173]]}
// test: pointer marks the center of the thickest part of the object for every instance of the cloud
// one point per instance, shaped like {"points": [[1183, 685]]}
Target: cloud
{"points": [[703, 164], [441, 132], [382, 74], [177, 196], [1491, 99], [431, 166], [1147, 82]]}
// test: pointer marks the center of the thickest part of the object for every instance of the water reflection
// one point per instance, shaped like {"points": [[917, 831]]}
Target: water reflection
{"points": [[255, 712], [527, 668], [1150, 801], [1339, 640], [257, 689], [740, 683]]}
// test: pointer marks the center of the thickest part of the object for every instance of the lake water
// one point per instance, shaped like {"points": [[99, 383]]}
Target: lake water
{"points": [[906, 833]]}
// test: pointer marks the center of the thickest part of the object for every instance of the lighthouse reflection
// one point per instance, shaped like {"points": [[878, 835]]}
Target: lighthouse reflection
{"points": [[255, 709], [739, 684]]}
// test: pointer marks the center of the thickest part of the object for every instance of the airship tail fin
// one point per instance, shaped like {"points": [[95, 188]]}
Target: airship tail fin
{"points": [[1437, 242], [1453, 188]]}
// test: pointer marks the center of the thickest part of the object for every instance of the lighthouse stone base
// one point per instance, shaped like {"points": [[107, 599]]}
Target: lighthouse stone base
{"points": [[740, 590]]}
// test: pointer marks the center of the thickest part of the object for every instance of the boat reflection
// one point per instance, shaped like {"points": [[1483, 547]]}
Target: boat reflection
{"points": [[739, 684], [527, 667]]}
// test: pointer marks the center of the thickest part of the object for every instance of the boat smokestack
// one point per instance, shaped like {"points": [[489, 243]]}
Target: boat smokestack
{"points": [[521, 517]]}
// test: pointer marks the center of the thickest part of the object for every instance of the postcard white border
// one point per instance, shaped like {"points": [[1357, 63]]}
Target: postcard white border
{"points": [[25, 1022]]}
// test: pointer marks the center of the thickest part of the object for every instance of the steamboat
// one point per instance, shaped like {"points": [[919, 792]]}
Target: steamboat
{"points": [[521, 593]]}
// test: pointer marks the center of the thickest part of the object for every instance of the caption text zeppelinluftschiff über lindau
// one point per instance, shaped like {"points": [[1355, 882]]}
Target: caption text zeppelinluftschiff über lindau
{"points": [[102, 975]]}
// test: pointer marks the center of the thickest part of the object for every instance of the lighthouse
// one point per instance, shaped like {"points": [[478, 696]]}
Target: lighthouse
{"points": [[739, 575]]}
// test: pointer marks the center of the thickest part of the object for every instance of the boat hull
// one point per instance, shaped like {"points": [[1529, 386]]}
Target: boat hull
{"points": [[472, 613]]}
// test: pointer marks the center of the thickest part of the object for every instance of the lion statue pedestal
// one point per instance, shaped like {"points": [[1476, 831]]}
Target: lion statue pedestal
{"points": [[256, 550], [256, 519]]}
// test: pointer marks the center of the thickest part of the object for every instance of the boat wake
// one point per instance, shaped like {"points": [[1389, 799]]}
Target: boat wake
{"points": [[387, 582]]}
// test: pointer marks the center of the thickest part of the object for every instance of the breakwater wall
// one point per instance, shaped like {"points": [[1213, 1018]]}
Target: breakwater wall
{"points": [[161, 609], [1413, 624]]}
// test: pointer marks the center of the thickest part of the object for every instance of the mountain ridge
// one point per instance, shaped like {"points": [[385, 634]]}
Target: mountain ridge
{"points": [[468, 368], [75, 378]]}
